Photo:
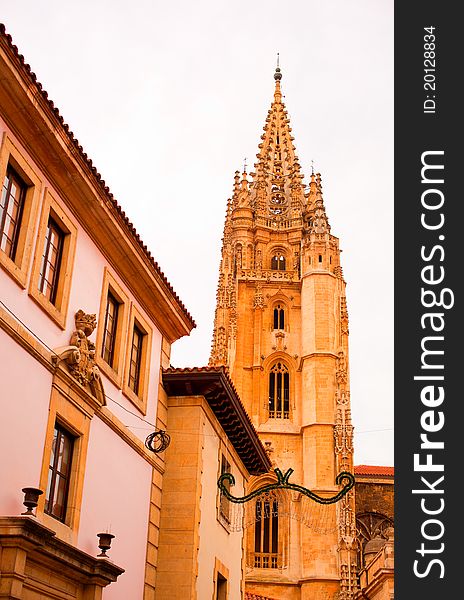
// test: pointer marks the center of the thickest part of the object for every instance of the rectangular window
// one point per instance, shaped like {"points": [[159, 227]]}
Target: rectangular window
{"points": [[50, 283], [11, 209], [224, 507], [110, 328], [59, 473], [51, 261], [114, 334], [135, 359], [19, 200], [221, 587]]}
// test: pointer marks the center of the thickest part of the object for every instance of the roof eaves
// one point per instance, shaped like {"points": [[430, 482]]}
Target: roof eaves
{"points": [[55, 114]]}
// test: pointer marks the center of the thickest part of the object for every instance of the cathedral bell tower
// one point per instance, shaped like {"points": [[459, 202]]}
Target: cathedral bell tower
{"points": [[281, 327]]}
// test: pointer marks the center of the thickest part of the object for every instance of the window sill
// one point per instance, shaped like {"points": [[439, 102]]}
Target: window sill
{"points": [[56, 315], [13, 270], [132, 396], [224, 522], [63, 531], [109, 372]]}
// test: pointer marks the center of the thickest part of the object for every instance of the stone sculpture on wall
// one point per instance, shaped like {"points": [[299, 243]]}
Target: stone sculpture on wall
{"points": [[79, 356]]}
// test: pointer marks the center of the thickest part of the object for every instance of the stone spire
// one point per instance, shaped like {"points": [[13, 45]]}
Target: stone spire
{"points": [[314, 213], [277, 189]]}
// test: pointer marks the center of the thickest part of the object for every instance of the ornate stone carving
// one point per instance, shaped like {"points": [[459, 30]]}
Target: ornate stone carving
{"points": [[233, 323], [79, 356], [269, 448], [343, 430], [219, 354], [258, 299], [341, 372], [267, 275], [344, 316]]}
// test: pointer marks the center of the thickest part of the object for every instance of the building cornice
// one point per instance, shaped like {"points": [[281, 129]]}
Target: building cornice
{"points": [[58, 153]]}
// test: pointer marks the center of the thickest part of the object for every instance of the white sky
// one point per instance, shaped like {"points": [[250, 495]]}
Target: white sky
{"points": [[168, 98]]}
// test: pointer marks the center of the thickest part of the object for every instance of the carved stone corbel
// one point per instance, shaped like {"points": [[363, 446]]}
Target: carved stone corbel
{"points": [[79, 356]]}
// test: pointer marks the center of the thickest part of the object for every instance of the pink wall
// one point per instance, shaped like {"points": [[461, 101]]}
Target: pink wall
{"points": [[85, 294], [24, 400], [117, 480], [116, 498]]}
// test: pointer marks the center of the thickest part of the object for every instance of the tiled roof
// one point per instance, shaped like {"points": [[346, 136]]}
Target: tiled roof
{"points": [[55, 114], [215, 384], [374, 470]]}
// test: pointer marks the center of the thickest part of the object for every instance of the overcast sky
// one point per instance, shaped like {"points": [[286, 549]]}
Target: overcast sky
{"points": [[168, 98]]}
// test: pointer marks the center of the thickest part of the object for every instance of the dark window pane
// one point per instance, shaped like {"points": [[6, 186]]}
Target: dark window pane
{"points": [[109, 332], [51, 261], [266, 523], [59, 473], [275, 527], [258, 528], [279, 392], [135, 359], [272, 406], [11, 208]]}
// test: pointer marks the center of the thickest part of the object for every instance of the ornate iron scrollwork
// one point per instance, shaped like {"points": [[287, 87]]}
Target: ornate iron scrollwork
{"points": [[282, 483]]}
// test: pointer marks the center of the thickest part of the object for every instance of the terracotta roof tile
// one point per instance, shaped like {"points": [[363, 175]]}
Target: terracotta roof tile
{"points": [[101, 182], [374, 470]]}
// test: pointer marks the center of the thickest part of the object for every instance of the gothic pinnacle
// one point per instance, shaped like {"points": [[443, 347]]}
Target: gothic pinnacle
{"points": [[277, 77]]}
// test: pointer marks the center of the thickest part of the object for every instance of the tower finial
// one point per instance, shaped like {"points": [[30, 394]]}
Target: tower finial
{"points": [[277, 74]]}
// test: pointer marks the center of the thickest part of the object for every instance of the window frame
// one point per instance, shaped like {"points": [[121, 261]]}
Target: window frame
{"points": [[12, 158], [136, 344], [116, 371], [22, 186], [224, 504], [278, 316], [56, 310], [275, 413], [273, 554], [62, 432], [283, 531], [110, 327], [280, 259], [52, 228], [221, 572], [71, 414], [140, 398]]}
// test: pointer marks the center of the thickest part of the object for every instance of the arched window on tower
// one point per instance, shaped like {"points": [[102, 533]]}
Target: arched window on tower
{"points": [[266, 542], [279, 317], [279, 392], [278, 262]]}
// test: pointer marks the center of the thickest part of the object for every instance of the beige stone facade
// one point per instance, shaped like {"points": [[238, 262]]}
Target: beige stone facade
{"points": [[281, 326], [200, 551]]}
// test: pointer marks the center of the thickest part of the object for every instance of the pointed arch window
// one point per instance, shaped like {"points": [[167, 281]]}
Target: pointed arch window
{"points": [[266, 542], [279, 392], [278, 262], [279, 317]]}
